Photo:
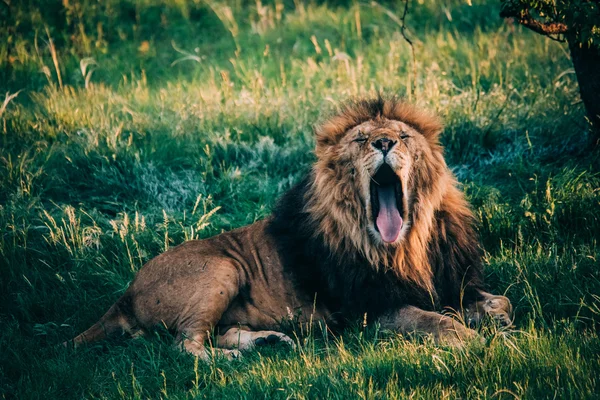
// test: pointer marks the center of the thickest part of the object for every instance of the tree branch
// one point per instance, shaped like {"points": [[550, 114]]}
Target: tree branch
{"points": [[402, 23], [524, 18]]}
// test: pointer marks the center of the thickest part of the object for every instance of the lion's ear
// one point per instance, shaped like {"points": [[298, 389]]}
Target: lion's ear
{"points": [[427, 123], [323, 138], [330, 132], [431, 127]]}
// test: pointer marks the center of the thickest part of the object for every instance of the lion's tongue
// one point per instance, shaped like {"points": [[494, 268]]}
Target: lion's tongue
{"points": [[389, 221]]}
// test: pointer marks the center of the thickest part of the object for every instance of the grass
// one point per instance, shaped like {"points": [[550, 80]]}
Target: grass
{"points": [[138, 125]]}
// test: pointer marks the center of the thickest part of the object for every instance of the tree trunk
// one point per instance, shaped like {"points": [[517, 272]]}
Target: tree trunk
{"points": [[586, 60]]}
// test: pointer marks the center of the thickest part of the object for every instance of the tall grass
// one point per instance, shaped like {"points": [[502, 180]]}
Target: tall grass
{"points": [[139, 125]]}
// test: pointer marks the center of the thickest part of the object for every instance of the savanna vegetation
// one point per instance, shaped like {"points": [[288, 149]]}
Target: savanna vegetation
{"points": [[131, 126]]}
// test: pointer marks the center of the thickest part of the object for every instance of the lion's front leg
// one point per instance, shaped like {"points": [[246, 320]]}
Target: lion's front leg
{"points": [[443, 329], [497, 307]]}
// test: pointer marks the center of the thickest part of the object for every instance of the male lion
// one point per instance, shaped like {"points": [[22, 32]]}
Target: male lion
{"points": [[378, 230]]}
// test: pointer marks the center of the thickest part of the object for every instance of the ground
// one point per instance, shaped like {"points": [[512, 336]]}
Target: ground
{"points": [[138, 125]]}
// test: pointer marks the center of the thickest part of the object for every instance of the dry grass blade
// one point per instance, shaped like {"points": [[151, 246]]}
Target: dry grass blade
{"points": [[54, 55], [7, 99]]}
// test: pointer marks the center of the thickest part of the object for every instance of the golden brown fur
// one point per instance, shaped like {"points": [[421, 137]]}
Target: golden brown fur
{"points": [[323, 253]]}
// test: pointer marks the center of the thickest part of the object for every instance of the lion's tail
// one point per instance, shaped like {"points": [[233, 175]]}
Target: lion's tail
{"points": [[115, 320]]}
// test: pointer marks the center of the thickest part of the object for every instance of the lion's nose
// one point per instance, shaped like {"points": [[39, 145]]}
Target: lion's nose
{"points": [[383, 144]]}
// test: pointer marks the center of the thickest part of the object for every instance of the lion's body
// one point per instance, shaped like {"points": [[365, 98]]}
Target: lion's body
{"points": [[235, 278], [321, 255]]}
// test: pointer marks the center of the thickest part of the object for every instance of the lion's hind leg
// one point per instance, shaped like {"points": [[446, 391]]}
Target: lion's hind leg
{"points": [[205, 308], [241, 339]]}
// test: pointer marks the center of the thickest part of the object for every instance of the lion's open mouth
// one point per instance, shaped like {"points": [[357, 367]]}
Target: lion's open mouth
{"points": [[386, 203]]}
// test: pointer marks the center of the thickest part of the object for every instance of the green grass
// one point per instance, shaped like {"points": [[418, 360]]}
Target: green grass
{"points": [[198, 115]]}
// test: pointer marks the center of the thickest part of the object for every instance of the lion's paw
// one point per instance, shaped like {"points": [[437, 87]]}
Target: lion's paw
{"points": [[274, 338], [498, 308], [455, 334]]}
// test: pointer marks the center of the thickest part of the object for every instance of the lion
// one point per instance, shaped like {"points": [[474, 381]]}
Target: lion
{"points": [[378, 229]]}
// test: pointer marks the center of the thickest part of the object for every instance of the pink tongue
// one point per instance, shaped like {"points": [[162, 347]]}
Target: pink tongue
{"points": [[389, 221]]}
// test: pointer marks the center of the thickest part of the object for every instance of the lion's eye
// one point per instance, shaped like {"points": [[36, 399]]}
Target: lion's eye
{"points": [[404, 136], [361, 139]]}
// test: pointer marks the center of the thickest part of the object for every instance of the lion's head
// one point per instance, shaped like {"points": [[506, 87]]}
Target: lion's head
{"points": [[379, 178]]}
